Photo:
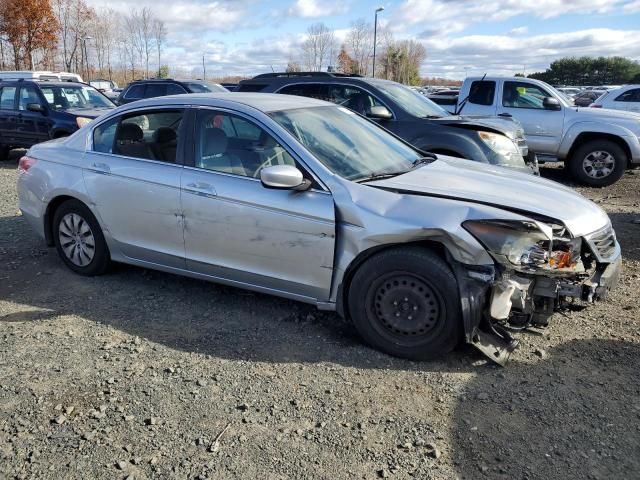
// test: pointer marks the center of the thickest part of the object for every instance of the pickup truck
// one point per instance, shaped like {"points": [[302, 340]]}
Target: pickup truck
{"points": [[596, 145]]}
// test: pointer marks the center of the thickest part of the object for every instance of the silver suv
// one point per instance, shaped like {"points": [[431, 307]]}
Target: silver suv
{"points": [[307, 200]]}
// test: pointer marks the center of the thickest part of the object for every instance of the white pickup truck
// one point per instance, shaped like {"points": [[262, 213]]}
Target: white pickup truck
{"points": [[597, 145]]}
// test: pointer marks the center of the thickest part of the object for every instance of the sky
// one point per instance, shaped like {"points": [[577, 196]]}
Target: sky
{"points": [[462, 37]]}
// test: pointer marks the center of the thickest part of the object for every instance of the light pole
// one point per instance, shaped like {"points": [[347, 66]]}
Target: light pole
{"points": [[375, 38], [86, 56]]}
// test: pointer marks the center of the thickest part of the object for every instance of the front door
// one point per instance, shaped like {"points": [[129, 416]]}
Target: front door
{"points": [[33, 127], [133, 177], [542, 128], [240, 231]]}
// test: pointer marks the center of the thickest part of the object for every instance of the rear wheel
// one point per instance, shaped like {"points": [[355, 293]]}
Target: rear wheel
{"points": [[405, 302], [598, 163], [79, 239]]}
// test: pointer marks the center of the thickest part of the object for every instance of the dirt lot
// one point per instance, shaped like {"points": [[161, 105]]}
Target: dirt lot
{"points": [[139, 374]]}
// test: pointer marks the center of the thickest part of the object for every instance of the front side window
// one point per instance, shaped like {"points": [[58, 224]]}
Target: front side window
{"points": [[523, 95], [27, 95], [629, 96], [7, 98], [228, 143], [175, 89], [74, 97], [149, 135], [155, 90], [347, 144], [203, 87], [135, 92], [311, 90], [482, 92]]}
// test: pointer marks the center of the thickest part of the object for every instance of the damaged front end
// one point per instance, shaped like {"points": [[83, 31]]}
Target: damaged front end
{"points": [[540, 269]]}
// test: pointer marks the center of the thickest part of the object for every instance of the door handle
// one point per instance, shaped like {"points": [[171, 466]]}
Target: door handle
{"points": [[103, 167], [505, 115]]}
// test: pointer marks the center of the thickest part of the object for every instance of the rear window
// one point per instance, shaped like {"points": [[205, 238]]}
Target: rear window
{"points": [[629, 96], [7, 97], [482, 92], [155, 90], [251, 87]]}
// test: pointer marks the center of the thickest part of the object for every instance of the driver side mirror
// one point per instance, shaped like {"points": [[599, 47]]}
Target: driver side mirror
{"points": [[35, 107], [284, 177], [551, 103], [381, 112]]}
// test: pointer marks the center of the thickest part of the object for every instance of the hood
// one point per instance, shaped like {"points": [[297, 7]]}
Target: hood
{"points": [[502, 188], [88, 112], [506, 126]]}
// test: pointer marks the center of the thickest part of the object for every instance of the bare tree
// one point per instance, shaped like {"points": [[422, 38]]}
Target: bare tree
{"points": [[159, 35], [318, 46], [359, 45]]}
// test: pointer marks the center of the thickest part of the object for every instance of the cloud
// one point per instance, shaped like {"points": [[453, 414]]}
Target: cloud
{"points": [[632, 7], [519, 31], [507, 54], [317, 8]]}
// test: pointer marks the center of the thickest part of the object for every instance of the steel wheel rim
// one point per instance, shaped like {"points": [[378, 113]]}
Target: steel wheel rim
{"points": [[599, 164], [406, 307], [76, 239]]}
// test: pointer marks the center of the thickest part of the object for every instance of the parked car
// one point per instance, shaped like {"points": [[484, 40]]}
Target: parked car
{"points": [[587, 97], [140, 89], [569, 91], [40, 75], [409, 115], [596, 145], [448, 99], [306, 200], [623, 98], [35, 111], [230, 86], [107, 87]]}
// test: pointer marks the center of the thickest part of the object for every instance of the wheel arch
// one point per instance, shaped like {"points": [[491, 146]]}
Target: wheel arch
{"points": [[49, 213], [585, 137]]}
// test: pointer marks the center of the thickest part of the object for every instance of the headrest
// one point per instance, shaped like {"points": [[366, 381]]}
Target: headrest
{"points": [[164, 135], [130, 132], [215, 142]]}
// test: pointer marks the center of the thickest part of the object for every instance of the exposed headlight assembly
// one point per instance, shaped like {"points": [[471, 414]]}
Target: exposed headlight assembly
{"points": [[500, 144], [513, 243]]}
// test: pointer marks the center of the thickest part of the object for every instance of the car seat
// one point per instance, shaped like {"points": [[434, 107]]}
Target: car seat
{"points": [[130, 142], [215, 156], [165, 143]]}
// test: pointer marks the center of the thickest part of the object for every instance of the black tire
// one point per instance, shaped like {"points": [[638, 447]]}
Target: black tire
{"points": [[386, 291], [64, 221], [607, 153]]}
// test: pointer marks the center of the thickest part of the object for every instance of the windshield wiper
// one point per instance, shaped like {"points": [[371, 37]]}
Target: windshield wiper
{"points": [[426, 160], [380, 176], [466, 99]]}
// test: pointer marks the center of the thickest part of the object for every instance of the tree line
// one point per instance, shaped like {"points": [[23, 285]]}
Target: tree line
{"points": [[70, 35], [590, 71], [395, 60]]}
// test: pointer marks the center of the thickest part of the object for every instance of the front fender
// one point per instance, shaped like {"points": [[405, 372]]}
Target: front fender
{"points": [[591, 127], [458, 144]]}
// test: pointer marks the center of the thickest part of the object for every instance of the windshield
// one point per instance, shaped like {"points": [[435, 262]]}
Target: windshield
{"points": [[202, 87], [411, 101], [67, 97], [347, 144]]}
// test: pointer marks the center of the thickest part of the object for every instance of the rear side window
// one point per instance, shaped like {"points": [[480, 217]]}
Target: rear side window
{"points": [[104, 135], [135, 92], [629, 96], [155, 90], [173, 89], [482, 92], [311, 90], [7, 98], [251, 87]]}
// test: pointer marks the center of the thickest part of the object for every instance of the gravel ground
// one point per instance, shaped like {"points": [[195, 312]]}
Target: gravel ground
{"points": [[140, 374]]}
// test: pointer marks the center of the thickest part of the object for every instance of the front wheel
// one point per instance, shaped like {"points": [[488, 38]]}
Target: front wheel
{"points": [[79, 239], [598, 163], [405, 302]]}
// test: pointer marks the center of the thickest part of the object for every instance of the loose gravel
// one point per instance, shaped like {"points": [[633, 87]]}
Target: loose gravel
{"points": [[139, 374]]}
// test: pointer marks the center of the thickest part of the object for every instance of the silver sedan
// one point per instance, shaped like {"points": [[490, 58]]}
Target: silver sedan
{"points": [[307, 200]]}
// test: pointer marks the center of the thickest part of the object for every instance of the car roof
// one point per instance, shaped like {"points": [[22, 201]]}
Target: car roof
{"points": [[265, 102], [60, 83]]}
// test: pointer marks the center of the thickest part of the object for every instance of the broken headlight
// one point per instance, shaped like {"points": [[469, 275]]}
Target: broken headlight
{"points": [[515, 243]]}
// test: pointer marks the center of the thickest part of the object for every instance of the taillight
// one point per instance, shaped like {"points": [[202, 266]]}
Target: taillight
{"points": [[25, 164], [595, 105]]}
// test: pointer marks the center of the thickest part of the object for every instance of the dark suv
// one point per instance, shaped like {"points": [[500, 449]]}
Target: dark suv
{"points": [[139, 89], [407, 114], [32, 111]]}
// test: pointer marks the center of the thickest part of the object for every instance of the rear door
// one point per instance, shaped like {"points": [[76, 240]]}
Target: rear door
{"points": [[629, 100], [133, 175], [238, 230], [543, 128]]}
